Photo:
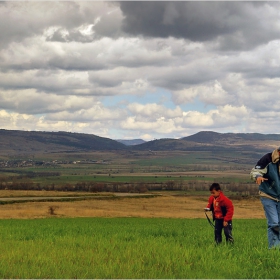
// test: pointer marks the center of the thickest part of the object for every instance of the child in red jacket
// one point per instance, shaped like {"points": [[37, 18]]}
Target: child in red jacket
{"points": [[222, 210]]}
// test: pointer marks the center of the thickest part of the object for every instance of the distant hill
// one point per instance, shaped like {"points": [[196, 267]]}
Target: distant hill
{"points": [[213, 141], [215, 137], [172, 145], [15, 141], [131, 142]]}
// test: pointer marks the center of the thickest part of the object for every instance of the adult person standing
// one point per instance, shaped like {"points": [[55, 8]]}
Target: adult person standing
{"points": [[266, 175]]}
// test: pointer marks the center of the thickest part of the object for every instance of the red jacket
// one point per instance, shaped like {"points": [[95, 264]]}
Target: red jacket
{"points": [[221, 207]]}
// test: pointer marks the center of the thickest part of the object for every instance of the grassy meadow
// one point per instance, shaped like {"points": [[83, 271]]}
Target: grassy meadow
{"points": [[131, 248], [96, 239]]}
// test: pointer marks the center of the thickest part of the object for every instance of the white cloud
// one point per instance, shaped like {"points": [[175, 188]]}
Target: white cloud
{"points": [[211, 93], [16, 121], [154, 111], [223, 117], [96, 112], [158, 126], [61, 61], [184, 96], [32, 102], [197, 119]]}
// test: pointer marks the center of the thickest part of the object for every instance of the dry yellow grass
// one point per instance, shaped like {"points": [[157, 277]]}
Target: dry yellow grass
{"points": [[167, 206]]}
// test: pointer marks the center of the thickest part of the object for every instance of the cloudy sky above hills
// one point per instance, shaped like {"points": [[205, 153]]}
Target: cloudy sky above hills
{"points": [[147, 70]]}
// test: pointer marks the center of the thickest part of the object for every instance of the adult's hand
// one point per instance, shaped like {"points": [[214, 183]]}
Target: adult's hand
{"points": [[260, 180]]}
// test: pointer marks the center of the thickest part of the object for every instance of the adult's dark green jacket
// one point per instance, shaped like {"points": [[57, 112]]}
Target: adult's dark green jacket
{"points": [[268, 167]]}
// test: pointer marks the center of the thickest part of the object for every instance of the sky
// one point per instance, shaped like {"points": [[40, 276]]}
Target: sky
{"points": [[149, 70]]}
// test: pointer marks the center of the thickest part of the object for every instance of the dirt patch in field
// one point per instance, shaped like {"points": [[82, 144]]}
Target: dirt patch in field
{"points": [[167, 206]]}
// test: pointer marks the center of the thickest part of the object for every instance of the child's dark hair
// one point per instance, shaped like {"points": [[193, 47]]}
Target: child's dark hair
{"points": [[215, 186]]}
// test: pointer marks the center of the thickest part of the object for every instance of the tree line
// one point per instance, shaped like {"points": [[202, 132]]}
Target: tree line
{"points": [[247, 189]]}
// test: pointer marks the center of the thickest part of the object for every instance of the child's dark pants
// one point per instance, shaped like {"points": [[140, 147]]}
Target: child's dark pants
{"points": [[227, 231]]}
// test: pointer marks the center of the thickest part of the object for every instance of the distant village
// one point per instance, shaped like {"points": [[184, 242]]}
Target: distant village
{"points": [[30, 162]]}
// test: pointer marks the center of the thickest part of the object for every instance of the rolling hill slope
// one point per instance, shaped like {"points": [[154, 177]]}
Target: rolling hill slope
{"points": [[15, 141], [213, 141], [215, 137]]}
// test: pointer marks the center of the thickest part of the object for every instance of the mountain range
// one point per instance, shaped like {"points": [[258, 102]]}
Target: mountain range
{"points": [[17, 141]]}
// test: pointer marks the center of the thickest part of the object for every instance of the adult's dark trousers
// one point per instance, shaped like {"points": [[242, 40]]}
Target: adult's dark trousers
{"points": [[227, 231]]}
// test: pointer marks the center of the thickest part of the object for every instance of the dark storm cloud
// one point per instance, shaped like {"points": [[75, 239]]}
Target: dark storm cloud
{"points": [[195, 21], [237, 24]]}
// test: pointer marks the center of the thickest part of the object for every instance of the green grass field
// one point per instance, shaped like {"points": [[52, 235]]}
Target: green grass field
{"points": [[133, 248]]}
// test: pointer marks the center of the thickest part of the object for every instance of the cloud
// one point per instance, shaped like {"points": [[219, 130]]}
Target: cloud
{"points": [[192, 20], [20, 20], [96, 112], [16, 121], [32, 102], [224, 117], [140, 69], [53, 82], [109, 25], [213, 93], [154, 111], [235, 25], [159, 126]]}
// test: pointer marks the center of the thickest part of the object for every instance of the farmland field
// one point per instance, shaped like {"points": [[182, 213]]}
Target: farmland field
{"points": [[127, 172], [121, 166], [129, 248]]}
